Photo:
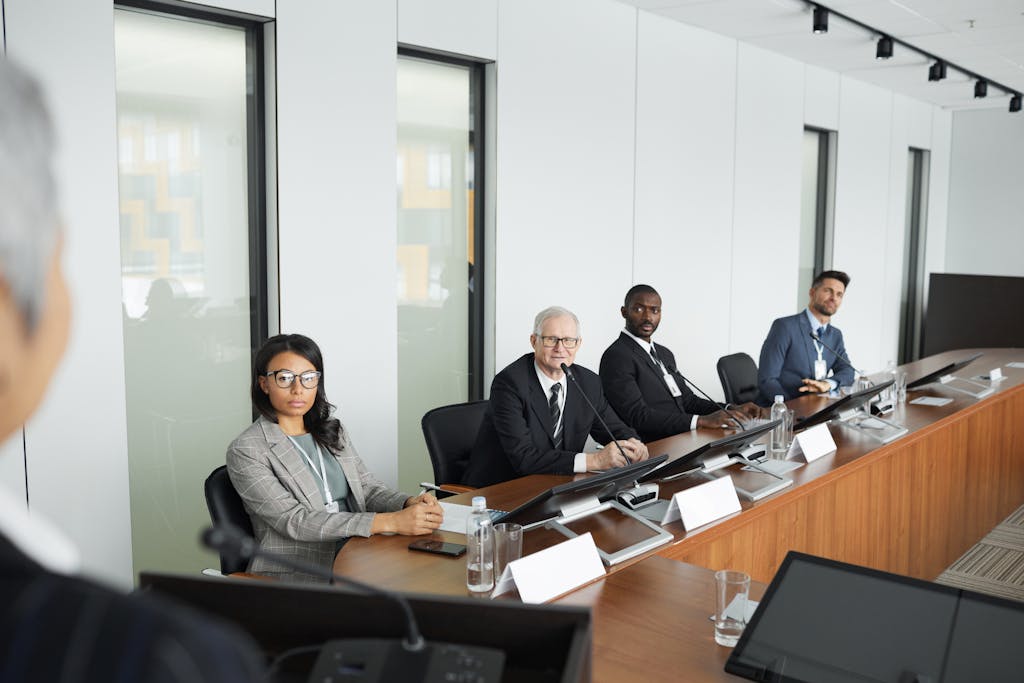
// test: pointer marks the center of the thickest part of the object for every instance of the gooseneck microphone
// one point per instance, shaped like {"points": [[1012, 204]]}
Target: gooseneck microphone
{"points": [[571, 376], [815, 337], [702, 393], [229, 540]]}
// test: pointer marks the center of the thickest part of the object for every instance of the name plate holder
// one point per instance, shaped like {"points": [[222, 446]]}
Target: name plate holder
{"points": [[811, 444], [703, 504], [554, 571]]}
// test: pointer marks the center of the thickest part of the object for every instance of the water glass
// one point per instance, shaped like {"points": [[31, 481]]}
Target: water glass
{"points": [[900, 388], [731, 591], [508, 546]]}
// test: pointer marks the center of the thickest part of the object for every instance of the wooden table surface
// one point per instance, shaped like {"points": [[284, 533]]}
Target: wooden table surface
{"points": [[911, 507]]}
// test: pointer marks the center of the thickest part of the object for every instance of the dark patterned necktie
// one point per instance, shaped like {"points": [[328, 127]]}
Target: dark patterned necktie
{"points": [[556, 413], [654, 355]]}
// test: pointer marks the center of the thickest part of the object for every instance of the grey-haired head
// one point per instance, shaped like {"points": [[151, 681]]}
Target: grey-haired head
{"points": [[29, 213]]}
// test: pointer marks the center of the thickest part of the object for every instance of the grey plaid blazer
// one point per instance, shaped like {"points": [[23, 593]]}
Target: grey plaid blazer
{"points": [[286, 506]]}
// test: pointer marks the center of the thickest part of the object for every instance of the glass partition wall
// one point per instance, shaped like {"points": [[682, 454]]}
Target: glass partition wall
{"points": [[191, 242]]}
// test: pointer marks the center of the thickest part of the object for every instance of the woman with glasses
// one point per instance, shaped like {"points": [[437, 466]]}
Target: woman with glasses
{"points": [[302, 482]]}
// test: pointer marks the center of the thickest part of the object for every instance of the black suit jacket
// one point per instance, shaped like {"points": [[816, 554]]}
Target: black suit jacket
{"points": [[635, 389], [55, 627], [515, 438]]}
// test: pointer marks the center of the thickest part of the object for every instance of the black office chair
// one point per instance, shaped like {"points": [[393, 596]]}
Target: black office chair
{"points": [[225, 506], [450, 432], [738, 373]]}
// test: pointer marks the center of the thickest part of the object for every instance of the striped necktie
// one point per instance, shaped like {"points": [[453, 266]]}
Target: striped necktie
{"points": [[556, 413]]}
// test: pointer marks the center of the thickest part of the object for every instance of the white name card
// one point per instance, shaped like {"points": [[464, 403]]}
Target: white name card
{"points": [[996, 375], [704, 503], [811, 444], [553, 571]]}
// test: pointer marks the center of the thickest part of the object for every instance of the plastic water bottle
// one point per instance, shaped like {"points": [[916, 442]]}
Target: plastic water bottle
{"points": [[479, 548], [890, 393], [778, 438]]}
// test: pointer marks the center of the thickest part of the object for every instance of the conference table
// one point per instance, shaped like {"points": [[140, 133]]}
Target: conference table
{"points": [[911, 506]]}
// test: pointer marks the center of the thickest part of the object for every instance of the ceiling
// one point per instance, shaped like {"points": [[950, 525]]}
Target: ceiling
{"points": [[983, 36]]}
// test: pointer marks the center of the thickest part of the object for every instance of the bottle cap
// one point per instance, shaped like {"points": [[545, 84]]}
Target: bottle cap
{"points": [[779, 398], [479, 503]]}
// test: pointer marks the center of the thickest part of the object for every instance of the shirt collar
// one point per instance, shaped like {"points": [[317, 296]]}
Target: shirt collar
{"points": [[645, 345], [815, 323], [36, 536], [546, 382]]}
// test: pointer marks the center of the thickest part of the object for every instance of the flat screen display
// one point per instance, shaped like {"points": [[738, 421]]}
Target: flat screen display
{"points": [[823, 621]]}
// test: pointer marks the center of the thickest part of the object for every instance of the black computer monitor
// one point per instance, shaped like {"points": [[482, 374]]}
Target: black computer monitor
{"points": [[943, 371], [823, 621], [848, 402], [694, 460], [540, 642], [548, 504]]}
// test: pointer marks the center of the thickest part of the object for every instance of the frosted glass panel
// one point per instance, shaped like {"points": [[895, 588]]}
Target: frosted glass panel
{"points": [[182, 149], [435, 250]]}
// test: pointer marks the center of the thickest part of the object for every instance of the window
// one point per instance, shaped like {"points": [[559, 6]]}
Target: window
{"points": [[440, 245], [912, 298], [193, 261], [817, 194]]}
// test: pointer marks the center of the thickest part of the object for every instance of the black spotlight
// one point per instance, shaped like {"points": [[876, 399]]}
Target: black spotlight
{"points": [[820, 20], [937, 71], [884, 50], [1015, 103], [980, 88]]}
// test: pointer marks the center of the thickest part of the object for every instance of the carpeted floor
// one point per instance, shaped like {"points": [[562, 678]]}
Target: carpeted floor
{"points": [[995, 565]]}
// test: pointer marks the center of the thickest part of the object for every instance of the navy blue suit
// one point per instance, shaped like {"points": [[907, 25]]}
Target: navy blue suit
{"points": [[788, 355], [515, 438]]}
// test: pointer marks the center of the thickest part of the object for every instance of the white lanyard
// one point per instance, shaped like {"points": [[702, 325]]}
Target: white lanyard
{"points": [[819, 348], [322, 473]]}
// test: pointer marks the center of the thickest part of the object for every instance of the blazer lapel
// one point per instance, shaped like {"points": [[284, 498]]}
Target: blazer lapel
{"points": [[804, 325], [645, 360], [539, 404], [288, 455]]}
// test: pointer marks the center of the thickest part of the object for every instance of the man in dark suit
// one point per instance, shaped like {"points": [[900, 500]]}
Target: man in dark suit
{"points": [[537, 421], [792, 361], [643, 385]]}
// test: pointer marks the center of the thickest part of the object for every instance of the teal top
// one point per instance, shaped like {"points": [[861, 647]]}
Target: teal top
{"points": [[335, 475]]}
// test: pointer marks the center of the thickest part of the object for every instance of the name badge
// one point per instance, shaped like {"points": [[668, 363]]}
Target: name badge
{"points": [[820, 369], [332, 506], [673, 388]]}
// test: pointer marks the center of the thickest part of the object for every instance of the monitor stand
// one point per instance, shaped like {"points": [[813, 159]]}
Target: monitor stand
{"points": [[868, 425], [965, 386]]}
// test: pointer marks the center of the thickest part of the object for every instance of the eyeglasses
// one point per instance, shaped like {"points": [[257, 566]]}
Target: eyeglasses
{"points": [[567, 342], [286, 378]]}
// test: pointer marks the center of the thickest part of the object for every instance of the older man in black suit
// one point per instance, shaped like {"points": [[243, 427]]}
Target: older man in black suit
{"points": [[538, 422], [643, 385]]}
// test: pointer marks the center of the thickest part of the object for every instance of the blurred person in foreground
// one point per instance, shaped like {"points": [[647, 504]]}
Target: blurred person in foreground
{"points": [[54, 625]]}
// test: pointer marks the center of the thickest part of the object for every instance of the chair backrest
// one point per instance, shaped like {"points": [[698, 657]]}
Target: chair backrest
{"points": [[225, 506], [450, 432], [738, 373]]}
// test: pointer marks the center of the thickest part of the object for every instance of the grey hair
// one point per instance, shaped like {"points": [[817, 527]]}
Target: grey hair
{"points": [[29, 221], [555, 312]]}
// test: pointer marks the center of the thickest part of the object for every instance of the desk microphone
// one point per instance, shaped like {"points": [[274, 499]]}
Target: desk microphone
{"points": [[571, 376], [378, 659], [815, 337]]}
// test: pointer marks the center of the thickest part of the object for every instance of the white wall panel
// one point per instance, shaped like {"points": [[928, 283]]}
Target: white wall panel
{"points": [[766, 224], [336, 67], [986, 235], [465, 27], [821, 98], [564, 168], [919, 122], [862, 214], [892, 251], [684, 186], [76, 443]]}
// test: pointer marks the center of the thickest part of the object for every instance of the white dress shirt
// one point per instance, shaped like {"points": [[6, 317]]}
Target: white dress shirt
{"points": [[579, 465]]}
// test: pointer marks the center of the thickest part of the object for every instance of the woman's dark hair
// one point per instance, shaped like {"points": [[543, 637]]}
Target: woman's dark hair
{"points": [[318, 421]]}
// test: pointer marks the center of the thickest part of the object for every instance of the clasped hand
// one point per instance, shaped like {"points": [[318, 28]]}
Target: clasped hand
{"points": [[609, 456], [421, 515]]}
